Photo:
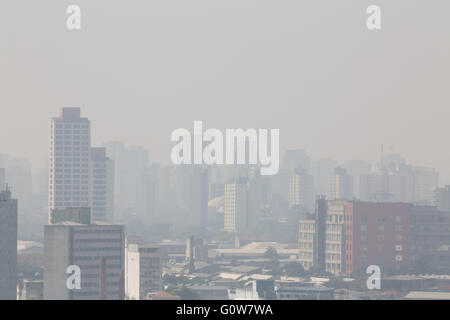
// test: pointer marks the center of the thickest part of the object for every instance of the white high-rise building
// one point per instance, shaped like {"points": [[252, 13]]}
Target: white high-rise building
{"points": [[301, 189], [143, 271], [236, 207], [70, 143], [102, 186]]}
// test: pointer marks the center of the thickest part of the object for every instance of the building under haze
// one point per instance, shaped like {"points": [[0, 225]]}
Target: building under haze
{"points": [[102, 186], [340, 185], [8, 246], [2, 178], [70, 144], [355, 235], [236, 207], [143, 271], [98, 249], [301, 189]]}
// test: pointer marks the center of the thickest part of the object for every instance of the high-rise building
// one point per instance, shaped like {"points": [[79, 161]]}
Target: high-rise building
{"points": [[143, 271], [198, 197], [70, 145], [442, 198], [236, 207], [429, 240], [399, 182], [2, 178], [358, 234], [150, 270], [18, 177], [301, 189], [130, 176], [292, 161], [322, 169], [8, 246], [102, 186], [97, 249], [340, 186]]}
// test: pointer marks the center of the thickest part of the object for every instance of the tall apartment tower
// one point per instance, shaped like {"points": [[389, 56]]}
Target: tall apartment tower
{"points": [[442, 198], [97, 249], [102, 186], [70, 143], [236, 207], [8, 246], [301, 189], [340, 185], [2, 178], [198, 197]]}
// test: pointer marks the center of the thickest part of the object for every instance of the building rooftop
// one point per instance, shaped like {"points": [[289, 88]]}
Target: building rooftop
{"points": [[428, 295]]}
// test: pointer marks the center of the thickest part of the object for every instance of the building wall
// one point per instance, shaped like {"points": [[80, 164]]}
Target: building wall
{"points": [[102, 186], [380, 235], [132, 272], [306, 243], [8, 246], [57, 257], [84, 246], [70, 144], [150, 267], [235, 208]]}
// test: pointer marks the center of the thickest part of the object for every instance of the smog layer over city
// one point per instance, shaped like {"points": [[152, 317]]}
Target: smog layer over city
{"points": [[225, 150]]}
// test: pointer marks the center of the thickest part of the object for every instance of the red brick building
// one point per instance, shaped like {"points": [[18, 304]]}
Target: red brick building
{"points": [[376, 234]]}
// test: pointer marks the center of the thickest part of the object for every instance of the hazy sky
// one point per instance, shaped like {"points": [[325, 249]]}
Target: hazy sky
{"points": [[140, 69]]}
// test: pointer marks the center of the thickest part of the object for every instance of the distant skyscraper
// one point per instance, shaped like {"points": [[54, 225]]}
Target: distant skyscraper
{"points": [[98, 249], [70, 145], [8, 246], [131, 164], [236, 207], [198, 197], [301, 189], [340, 185], [2, 179], [322, 169], [18, 177], [102, 186], [442, 198]]}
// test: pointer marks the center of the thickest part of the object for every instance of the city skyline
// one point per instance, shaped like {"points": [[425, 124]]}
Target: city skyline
{"points": [[225, 150], [307, 85]]}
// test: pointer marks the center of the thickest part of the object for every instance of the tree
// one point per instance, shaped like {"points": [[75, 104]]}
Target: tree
{"points": [[183, 292], [271, 253], [294, 269]]}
